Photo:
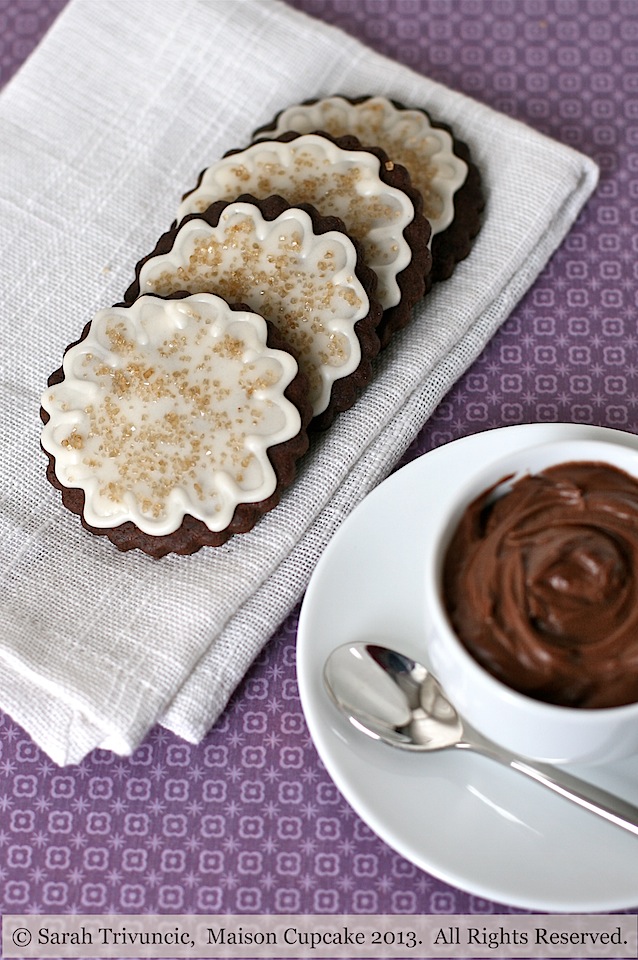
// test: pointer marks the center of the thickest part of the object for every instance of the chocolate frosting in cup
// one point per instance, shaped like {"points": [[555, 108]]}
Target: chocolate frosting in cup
{"points": [[541, 585]]}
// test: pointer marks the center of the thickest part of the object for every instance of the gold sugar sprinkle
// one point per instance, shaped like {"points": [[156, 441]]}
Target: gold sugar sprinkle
{"points": [[162, 425], [273, 280]]}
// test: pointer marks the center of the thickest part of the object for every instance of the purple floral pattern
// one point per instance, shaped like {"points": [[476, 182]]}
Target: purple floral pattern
{"points": [[248, 821]]}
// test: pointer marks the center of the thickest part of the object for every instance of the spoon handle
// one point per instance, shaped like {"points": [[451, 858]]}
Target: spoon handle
{"points": [[586, 795]]}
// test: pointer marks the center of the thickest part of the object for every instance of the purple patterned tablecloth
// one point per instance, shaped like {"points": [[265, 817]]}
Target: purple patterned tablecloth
{"points": [[249, 821]]}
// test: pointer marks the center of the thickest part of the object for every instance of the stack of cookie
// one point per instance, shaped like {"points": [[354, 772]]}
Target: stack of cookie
{"points": [[179, 416]]}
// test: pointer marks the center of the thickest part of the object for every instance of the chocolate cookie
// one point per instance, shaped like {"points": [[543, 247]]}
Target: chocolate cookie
{"points": [[298, 269], [174, 422], [370, 193], [440, 166]]}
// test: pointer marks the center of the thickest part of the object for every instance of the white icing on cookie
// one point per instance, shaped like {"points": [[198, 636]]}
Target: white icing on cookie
{"points": [[342, 183], [406, 136], [168, 408], [303, 283]]}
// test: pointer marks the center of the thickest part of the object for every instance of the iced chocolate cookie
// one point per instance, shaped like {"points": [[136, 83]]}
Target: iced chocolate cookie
{"points": [[367, 191], [174, 423], [299, 270], [439, 165]]}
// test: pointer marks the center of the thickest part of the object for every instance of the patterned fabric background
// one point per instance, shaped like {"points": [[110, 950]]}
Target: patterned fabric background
{"points": [[249, 820]]}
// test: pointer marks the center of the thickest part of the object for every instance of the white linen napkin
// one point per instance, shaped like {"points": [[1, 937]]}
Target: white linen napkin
{"points": [[100, 132]]}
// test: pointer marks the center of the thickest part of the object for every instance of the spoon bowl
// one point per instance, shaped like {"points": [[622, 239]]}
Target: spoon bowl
{"points": [[392, 698]]}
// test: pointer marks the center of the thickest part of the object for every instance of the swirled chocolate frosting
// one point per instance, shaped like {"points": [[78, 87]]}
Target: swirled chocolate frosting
{"points": [[541, 585]]}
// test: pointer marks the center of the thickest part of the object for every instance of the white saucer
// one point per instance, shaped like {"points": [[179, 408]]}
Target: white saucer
{"points": [[462, 818]]}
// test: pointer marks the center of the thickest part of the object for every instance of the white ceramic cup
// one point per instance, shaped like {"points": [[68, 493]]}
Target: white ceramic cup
{"points": [[523, 725]]}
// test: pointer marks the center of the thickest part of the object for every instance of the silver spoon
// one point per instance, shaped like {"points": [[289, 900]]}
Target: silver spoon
{"points": [[389, 697]]}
